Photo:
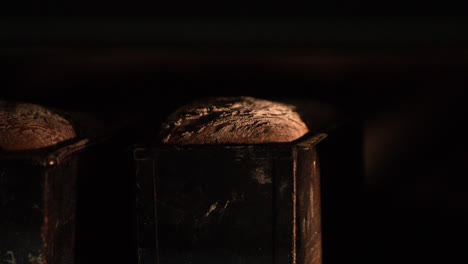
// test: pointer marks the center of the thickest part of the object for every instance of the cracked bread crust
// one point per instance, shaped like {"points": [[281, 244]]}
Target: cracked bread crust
{"points": [[233, 120], [26, 126]]}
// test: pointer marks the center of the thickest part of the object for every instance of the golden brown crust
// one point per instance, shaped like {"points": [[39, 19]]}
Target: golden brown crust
{"points": [[29, 126], [233, 120]]}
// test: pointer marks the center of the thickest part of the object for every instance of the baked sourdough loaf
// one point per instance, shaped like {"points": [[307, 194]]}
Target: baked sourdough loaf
{"points": [[233, 120], [26, 126]]}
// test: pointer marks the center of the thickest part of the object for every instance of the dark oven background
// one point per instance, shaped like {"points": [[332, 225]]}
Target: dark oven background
{"points": [[405, 77]]}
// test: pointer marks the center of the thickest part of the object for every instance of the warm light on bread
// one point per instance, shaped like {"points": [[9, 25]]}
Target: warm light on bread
{"points": [[233, 120], [28, 126]]}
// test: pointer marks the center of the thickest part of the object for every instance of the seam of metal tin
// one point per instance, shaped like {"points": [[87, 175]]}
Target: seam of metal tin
{"points": [[244, 150], [40, 156]]}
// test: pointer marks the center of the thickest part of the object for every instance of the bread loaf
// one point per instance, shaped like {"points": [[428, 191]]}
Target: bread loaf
{"points": [[28, 126], [233, 120]]}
